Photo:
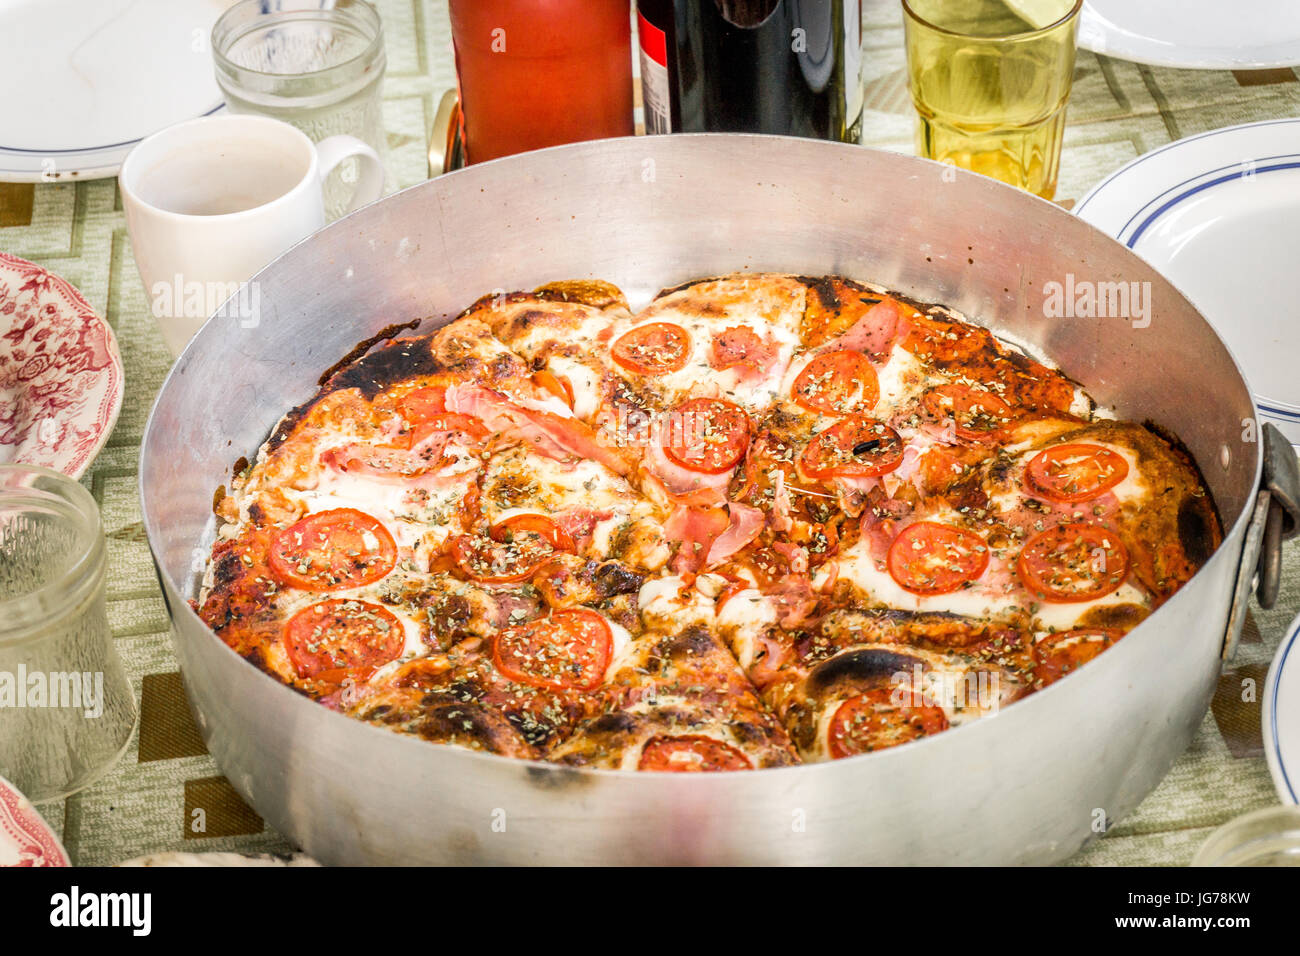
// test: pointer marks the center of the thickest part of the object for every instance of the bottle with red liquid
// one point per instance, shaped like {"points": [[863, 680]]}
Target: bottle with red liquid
{"points": [[537, 73], [790, 67]]}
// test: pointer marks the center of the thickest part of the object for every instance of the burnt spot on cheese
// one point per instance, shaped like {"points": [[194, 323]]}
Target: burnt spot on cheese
{"points": [[502, 367], [784, 422], [623, 538], [568, 580], [622, 610], [861, 669], [944, 628], [227, 569], [394, 364], [929, 630], [465, 689], [612, 723], [1122, 617], [614, 577], [747, 732], [1197, 511], [469, 725], [510, 488], [692, 641], [832, 305], [1000, 467], [517, 715], [458, 721], [527, 319]]}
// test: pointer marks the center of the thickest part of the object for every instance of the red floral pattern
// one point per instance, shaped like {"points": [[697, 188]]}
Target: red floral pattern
{"points": [[60, 372], [25, 840]]}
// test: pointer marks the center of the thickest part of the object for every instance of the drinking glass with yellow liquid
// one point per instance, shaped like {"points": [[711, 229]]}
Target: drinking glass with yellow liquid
{"points": [[990, 79]]}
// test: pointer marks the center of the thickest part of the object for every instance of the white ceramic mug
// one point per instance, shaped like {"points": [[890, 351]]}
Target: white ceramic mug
{"points": [[211, 201]]}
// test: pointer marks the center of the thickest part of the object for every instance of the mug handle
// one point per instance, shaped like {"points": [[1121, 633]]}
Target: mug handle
{"points": [[370, 182]]}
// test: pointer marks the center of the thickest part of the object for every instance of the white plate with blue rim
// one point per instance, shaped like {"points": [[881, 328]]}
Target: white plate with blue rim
{"points": [[1282, 716], [83, 82], [1216, 214], [1194, 34]]}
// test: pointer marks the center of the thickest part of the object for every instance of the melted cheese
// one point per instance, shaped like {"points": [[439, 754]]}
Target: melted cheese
{"points": [[981, 600], [539, 336], [1061, 616], [409, 512], [540, 485], [902, 378], [520, 481], [585, 382], [745, 618], [673, 602]]}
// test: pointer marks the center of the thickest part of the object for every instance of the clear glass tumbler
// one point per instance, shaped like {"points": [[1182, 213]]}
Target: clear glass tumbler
{"points": [[316, 64], [67, 709], [990, 80]]}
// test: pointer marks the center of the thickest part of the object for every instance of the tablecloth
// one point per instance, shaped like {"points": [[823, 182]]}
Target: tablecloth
{"points": [[168, 794]]}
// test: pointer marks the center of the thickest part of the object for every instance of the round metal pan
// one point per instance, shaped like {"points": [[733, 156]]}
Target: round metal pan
{"points": [[1030, 785]]}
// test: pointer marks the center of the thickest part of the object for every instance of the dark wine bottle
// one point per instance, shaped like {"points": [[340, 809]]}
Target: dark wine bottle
{"points": [[655, 31], [756, 66]]}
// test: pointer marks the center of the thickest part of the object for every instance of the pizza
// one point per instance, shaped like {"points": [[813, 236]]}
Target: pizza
{"points": [[766, 519]]}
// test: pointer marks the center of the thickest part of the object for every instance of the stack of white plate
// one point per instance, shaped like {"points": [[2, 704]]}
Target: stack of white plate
{"points": [[1217, 214], [1282, 717], [1194, 34]]}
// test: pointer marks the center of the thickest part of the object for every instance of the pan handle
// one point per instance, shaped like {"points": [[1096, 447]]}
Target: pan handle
{"points": [[1276, 518]]}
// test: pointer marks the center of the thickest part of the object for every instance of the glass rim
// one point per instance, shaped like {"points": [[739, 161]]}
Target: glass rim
{"points": [[1235, 835], [1069, 15], [61, 593], [368, 11]]}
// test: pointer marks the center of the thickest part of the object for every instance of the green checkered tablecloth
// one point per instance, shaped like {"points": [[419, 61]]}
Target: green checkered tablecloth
{"points": [[1118, 111]]}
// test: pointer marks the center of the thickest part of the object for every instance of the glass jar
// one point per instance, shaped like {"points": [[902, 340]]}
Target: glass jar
{"points": [[1268, 837], [315, 64], [67, 709]]}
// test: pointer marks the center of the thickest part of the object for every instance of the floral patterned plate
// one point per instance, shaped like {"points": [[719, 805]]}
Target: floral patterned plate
{"points": [[25, 839], [60, 371]]}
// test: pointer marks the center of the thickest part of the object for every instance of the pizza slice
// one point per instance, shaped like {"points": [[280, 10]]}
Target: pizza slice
{"points": [[679, 701], [519, 692]]}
